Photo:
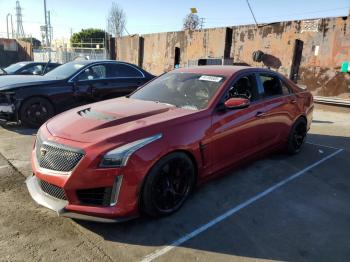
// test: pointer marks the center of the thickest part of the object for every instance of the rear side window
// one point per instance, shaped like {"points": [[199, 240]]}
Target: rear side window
{"points": [[273, 86], [121, 70]]}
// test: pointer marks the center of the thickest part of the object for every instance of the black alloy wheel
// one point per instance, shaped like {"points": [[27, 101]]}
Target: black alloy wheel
{"points": [[297, 136], [168, 185], [35, 111]]}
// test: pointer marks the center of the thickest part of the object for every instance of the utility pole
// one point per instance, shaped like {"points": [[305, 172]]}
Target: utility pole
{"points": [[46, 32], [49, 27], [7, 24]]}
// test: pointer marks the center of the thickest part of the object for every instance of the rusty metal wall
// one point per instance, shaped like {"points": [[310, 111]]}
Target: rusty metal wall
{"points": [[12, 51], [326, 44]]}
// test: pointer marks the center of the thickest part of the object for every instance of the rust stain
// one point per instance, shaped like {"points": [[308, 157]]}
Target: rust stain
{"points": [[317, 70]]}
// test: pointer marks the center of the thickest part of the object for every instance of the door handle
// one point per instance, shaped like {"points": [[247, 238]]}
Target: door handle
{"points": [[260, 114], [293, 101]]}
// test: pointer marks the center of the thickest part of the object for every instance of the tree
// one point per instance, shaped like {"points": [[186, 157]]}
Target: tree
{"points": [[88, 37], [116, 20], [191, 22]]}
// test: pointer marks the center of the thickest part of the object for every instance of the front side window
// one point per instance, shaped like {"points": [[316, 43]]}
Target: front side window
{"points": [[65, 70], [244, 87], [93, 73], [33, 70], [185, 90], [272, 86]]}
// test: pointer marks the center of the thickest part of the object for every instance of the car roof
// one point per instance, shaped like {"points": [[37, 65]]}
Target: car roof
{"points": [[35, 62], [226, 70], [87, 62]]}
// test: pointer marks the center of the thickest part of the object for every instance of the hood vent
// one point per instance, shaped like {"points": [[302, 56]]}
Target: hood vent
{"points": [[88, 113]]}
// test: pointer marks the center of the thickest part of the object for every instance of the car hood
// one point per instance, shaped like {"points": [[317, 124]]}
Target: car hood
{"points": [[111, 118], [8, 82]]}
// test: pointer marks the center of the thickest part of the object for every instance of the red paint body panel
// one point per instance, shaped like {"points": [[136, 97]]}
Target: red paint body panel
{"points": [[215, 139]]}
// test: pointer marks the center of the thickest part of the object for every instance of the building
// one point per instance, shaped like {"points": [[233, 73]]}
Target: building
{"points": [[308, 51], [13, 51]]}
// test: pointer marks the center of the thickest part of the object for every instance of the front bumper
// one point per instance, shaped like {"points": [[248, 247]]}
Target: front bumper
{"points": [[7, 111], [59, 206]]}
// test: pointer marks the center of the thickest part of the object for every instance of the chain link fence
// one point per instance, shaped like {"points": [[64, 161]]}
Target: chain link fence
{"points": [[62, 55]]}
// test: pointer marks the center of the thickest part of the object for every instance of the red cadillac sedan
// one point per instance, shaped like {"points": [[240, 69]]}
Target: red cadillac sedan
{"points": [[144, 153]]}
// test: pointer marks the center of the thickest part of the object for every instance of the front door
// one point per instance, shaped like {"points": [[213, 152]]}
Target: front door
{"points": [[87, 81], [236, 133]]}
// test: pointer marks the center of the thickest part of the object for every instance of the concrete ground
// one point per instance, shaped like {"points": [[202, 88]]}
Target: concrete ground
{"points": [[282, 207]]}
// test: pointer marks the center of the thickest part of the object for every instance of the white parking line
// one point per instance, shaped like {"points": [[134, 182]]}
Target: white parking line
{"points": [[1, 167], [314, 144], [234, 210]]}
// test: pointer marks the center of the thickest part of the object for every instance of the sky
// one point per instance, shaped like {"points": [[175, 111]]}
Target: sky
{"points": [[160, 16]]}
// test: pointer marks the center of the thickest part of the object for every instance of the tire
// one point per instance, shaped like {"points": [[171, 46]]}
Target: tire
{"points": [[297, 136], [35, 111], [167, 185]]}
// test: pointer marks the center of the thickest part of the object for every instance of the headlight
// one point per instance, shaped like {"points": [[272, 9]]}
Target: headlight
{"points": [[119, 157]]}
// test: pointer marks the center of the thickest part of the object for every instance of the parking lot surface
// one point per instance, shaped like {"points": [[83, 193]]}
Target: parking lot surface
{"points": [[277, 208]]}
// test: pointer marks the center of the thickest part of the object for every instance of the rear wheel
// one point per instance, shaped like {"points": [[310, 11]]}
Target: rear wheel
{"points": [[168, 185], [297, 136], [35, 111]]}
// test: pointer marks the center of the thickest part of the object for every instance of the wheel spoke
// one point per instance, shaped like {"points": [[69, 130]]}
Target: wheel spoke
{"points": [[173, 184]]}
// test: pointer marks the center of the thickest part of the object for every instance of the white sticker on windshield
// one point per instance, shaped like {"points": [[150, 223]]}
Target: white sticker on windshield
{"points": [[211, 78]]}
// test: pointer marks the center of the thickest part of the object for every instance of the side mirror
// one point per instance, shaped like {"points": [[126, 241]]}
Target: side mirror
{"points": [[236, 103]]}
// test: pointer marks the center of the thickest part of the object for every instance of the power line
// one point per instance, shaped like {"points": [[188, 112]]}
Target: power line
{"points": [[252, 13]]}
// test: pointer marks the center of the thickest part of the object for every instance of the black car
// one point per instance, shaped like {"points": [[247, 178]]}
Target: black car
{"points": [[34, 99], [29, 68]]}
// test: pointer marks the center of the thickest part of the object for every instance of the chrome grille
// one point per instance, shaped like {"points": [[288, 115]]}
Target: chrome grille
{"points": [[57, 157], [52, 190]]}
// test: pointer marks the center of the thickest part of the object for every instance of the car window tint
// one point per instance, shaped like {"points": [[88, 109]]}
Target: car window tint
{"points": [[272, 85], [93, 72], [244, 87], [285, 88], [34, 70], [121, 70], [50, 67]]}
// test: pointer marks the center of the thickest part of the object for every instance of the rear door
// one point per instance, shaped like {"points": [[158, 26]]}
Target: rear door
{"points": [[280, 108], [236, 134], [122, 79]]}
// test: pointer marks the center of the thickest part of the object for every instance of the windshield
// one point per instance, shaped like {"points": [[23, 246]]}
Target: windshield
{"points": [[65, 70], [185, 90], [13, 68]]}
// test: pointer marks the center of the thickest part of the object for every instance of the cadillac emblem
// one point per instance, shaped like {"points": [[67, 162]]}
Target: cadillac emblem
{"points": [[43, 152]]}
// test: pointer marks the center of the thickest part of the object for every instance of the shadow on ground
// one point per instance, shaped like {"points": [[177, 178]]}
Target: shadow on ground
{"points": [[301, 221], [17, 128]]}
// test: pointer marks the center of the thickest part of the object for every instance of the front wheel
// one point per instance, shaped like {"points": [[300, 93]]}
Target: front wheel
{"points": [[297, 136], [167, 185], [35, 111]]}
